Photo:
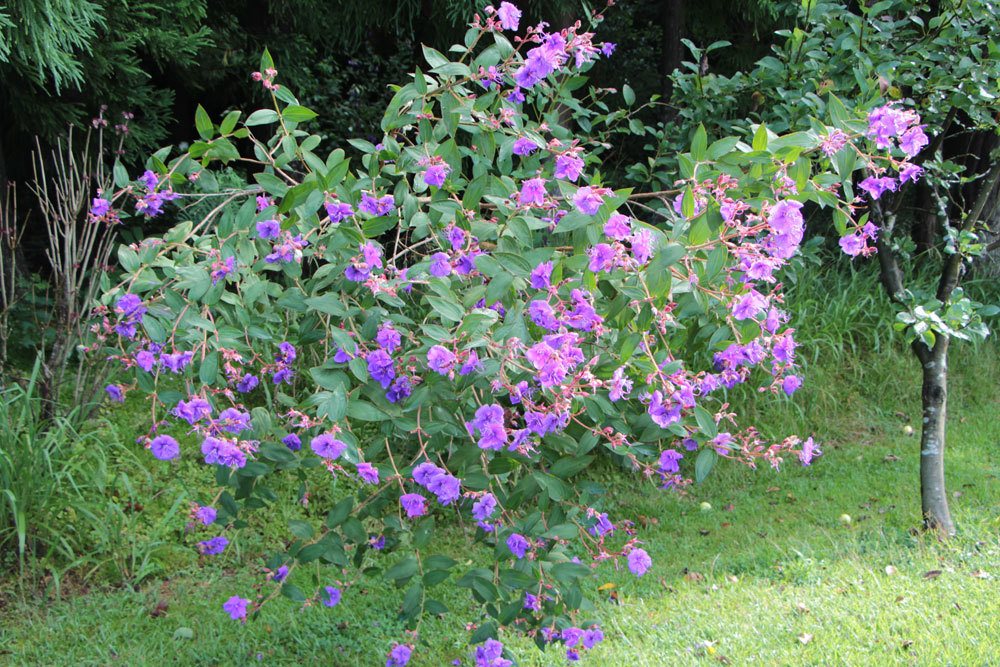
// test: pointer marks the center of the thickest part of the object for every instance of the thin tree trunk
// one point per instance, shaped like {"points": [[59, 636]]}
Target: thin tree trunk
{"points": [[934, 397], [671, 49]]}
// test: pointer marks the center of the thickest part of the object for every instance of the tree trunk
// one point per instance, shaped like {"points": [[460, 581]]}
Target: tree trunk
{"points": [[671, 49], [934, 397]]}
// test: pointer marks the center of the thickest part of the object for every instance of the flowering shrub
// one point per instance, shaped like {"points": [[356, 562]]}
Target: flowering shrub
{"points": [[462, 324]]}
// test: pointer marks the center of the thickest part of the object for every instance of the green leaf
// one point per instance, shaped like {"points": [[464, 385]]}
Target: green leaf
{"points": [[300, 529], [365, 411], [262, 117], [203, 123], [704, 464], [209, 368], [402, 571], [628, 95], [706, 423], [340, 512], [298, 114], [699, 144], [448, 310], [760, 138]]}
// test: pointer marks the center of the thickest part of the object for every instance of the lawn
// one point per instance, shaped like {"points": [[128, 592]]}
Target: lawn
{"points": [[750, 567]]}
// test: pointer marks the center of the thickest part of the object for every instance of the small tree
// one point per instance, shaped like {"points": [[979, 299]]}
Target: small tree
{"points": [[460, 325], [937, 59]]}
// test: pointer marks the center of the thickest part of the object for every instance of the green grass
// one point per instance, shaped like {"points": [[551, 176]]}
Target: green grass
{"points": [[769, 575], [769, 563]]}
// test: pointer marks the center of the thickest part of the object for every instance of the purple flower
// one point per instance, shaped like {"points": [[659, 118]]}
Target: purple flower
{"points": [[509, 15], [268, 229], [194, 410], [414, 504], [810, 450], [99, 207], [376, 207], [233, 421], [602, 258], [435, 174], [292, 441], [280, 574], [440, 359], [484, 508], [524, 146], [555, 357], [620, 385], [603, 526], [490, 654], [338, 211], [749, 305], [639, 562], [532, 602], [247, 383], [913, 141], [517, 544], [471, 364], [214, 546], [790, 384], [541, 276], [206, 514], [223, 452], [618, 227], [388, 338], [400, 389], [607, 48], [542, 314], [177, 361], [588, 200], [568, 166], [533, 192], [423, 473], [456, 237], [131, 309], [236, 607], [722, 442], [447, 488], [642, 245], [440, 265], [852, 244], [380, 367], [145, 360], [326, 446], [669, 460], [165, 448], [876, 187], [332, 598], [399, 656], [592, 637], [489, 422], [115, 393], [368, 472], [910, 172]]}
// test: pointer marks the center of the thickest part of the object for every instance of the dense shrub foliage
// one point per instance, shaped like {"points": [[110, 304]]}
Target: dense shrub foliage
{"points": [[460, 325]]}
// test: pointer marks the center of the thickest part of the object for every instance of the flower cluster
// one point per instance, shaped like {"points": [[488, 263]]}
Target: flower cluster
{"points": [[460, 327]]}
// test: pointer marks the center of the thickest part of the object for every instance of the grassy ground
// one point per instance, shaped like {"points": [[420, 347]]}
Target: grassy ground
{"points": [[769, 574]]}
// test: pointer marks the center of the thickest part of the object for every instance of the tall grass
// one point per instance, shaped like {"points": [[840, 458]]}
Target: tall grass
{"points": [[49, 471]]}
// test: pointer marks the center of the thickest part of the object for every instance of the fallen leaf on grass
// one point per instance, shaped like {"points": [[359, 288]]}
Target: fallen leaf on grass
{"points": [[694, 576], [805, 638], [801, 608], [890, 570], [981, 574], [932, 574]]}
